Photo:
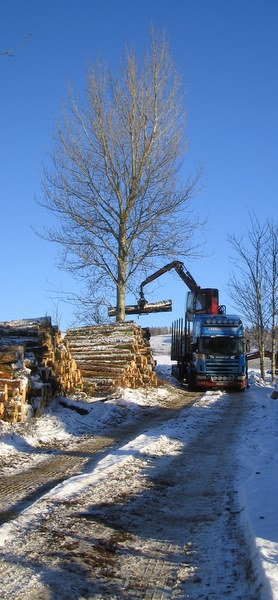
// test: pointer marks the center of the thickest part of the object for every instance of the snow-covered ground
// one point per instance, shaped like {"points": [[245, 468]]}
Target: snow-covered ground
{"points": [[257, 449]]}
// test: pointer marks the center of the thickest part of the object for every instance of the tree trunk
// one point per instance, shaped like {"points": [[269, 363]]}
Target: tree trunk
{"points": [[273, 375], [261, 334], [120, 309], [273, 339], [274, 307], [121, 282], [262, 360]]}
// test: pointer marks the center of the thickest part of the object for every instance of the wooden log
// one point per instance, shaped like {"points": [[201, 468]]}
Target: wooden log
{"points": [[95, 364], [6, 369], [148, 307], [6, 376], [4, 390], [11, 354], [103, 347], [103, 329], [99, 380], [15, 388], [11, 413], [103, 374]]}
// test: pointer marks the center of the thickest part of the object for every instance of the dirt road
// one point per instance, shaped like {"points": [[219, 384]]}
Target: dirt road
{"points": [[19, 490], [160, 527]]}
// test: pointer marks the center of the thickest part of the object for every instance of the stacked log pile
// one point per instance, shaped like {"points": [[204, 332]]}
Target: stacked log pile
{"points": [[112, 356], [35, 364]]}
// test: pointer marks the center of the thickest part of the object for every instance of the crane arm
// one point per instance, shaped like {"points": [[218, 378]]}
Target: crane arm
{"points": [[143, 307], [179, 268]]}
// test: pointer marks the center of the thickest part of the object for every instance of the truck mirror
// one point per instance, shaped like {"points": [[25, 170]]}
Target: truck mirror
{"points": [[194, 346], [247, 345]]}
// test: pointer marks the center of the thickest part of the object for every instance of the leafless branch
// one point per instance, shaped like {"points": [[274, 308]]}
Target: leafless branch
{"points": [[11, 52]]}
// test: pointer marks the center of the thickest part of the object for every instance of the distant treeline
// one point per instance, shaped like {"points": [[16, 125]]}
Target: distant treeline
{"points": [[252, 335], [160, 330]]}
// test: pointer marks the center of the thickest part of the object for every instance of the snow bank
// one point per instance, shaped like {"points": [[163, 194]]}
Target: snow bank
{"points": [[258, 456]]}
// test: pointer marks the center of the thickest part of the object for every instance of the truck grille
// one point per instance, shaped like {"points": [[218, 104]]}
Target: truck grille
{"points": [[222, 366]]}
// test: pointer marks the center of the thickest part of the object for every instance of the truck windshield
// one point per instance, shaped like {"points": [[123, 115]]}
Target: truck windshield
{"points": [[223, 346]]}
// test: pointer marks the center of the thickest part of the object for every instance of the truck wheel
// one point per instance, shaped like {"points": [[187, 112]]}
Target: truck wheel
{"points": [[192, 382]]}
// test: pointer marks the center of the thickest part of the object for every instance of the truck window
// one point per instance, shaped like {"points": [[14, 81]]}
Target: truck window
{"points": [[200, 302], [223, 346]]}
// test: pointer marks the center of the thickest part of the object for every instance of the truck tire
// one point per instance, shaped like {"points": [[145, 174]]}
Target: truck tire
{"points": [[192, 381]]}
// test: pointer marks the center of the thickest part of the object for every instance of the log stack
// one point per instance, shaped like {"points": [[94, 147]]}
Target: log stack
{"points": [[110, 356], [35, 364]]}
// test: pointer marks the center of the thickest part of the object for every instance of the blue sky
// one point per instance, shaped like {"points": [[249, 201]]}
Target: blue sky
{"points": [[227, 54]]}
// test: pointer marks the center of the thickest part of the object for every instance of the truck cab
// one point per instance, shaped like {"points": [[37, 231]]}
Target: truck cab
{"points": [[217, 357]]}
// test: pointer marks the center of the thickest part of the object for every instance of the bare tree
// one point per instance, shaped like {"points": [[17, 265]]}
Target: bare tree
{"points": [[113, 175], [272, 277], [248, 285]]}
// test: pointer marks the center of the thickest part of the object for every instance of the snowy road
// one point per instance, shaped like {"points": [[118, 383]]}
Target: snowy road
{"points": [[156, 518], [56, 465], [154, 510]]}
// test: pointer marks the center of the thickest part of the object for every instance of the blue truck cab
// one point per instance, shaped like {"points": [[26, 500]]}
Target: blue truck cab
{"points": [[217, 357]]}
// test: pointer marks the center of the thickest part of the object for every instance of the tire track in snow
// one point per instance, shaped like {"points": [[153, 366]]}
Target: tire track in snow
{"points": [[17, 491], [158, 527]]}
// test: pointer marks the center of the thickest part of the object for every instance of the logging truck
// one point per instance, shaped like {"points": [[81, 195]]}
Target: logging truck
{"points": [[210, 351], [208, 346]]}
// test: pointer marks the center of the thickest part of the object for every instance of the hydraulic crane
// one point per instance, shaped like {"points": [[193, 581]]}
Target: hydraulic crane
{"points": [[202, 299], [208, 346]]}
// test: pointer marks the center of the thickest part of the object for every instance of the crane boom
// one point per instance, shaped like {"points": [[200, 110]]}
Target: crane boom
{"points": [[179, 268], [143, 307]]}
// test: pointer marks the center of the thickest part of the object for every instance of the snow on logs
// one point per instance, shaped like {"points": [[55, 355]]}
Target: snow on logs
{"points": [[110, 356], [35, 364]]}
